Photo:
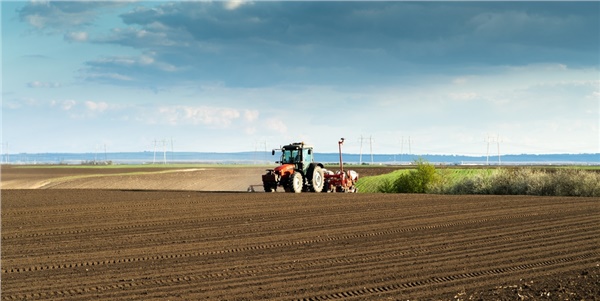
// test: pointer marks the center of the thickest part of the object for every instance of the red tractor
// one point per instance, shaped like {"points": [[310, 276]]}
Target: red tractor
{"points": [[341, 181], [298, 172]]}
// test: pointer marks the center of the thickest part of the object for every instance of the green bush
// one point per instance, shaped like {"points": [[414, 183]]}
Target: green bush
{"points": [[416, 181], [501, 181], [386, 186], [528, 181]]}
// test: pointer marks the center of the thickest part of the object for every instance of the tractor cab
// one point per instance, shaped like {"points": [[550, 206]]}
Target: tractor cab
{"points": [[298, 154]]}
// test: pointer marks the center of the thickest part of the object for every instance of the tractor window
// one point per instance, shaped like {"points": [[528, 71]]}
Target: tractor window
{"points": [[307, 155], [290, 156]]}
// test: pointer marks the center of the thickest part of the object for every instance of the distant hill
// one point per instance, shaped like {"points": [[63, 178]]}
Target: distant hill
{"points": [[266, 157]]}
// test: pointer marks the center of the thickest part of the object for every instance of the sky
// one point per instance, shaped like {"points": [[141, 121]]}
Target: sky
{"points": [[461, 78]]}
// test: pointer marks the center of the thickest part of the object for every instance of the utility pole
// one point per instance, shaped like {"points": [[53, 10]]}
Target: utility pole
{"points": [[371, 147], [172, 152], [498, 140], [361, 144], [164, 151], [265, 153], [5, 153], [154, 160], [487, 155], [401, 149]]}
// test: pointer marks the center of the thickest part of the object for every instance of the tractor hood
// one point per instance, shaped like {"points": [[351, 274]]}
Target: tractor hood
{"points": [[284, 169]]}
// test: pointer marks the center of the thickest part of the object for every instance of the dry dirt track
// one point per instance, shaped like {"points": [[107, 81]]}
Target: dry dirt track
{"points": [[96, 244]]}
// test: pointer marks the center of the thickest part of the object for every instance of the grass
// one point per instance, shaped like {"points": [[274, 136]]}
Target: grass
{"points": [[556, 180]]}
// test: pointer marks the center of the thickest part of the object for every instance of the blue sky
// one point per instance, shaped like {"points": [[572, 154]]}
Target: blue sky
{"points": [[239, 75]]}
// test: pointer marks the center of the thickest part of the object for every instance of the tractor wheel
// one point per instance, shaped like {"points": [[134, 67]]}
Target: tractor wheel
{"points": [[317, 179], [270, 187], [326, 187], [296, 182]]}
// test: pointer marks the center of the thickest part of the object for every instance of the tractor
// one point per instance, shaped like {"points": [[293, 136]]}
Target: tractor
{"points": [[297, 173]]}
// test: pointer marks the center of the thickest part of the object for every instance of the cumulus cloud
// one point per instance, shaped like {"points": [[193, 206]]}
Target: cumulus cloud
{"points": [[234, 4], [463, 96], [67, 104], [76, 36], [96, 106], [198, 115], [276, 125], [251, 115], [59, 16], [40, 84]]}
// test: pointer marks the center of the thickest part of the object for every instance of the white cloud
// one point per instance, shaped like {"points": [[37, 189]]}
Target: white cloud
{"points": [[76, 36], [460, 81], [68, 104], [40, 84], [251, 115], [108, 76], [463, 96], [96, 106], [277, 125], [234, 4], [211, 116]]}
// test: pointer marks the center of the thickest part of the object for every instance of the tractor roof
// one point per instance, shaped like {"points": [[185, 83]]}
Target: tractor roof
{"points": [[297, 145]]}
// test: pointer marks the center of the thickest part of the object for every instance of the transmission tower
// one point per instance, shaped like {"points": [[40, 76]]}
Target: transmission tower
{"points": [[361, 140], [492, 140]]}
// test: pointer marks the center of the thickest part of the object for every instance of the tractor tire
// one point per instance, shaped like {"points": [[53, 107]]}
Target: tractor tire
{"points": [[317, 179], [270, 188], [296, 182]]}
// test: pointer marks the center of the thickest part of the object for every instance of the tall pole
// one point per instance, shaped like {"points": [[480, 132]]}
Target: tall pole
{"points": [[340, 149], [265, 153], [499, 150], [164, 151], [371, 146], [487, 156], [361, 144], [154, 160], [401, 149], [172, 152]]}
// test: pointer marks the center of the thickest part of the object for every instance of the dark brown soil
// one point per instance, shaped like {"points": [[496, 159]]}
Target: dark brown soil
{"points": [[99, 244]]}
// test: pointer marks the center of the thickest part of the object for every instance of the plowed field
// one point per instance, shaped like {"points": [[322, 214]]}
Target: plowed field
{"points": [[111, 244]]}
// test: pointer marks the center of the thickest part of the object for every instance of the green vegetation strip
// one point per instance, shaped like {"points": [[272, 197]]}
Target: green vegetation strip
{"points": [[515, 180]]}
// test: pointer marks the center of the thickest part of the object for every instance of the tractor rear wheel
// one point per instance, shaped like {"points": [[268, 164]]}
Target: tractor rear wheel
{"points": [[317, 179], [296, 182]]}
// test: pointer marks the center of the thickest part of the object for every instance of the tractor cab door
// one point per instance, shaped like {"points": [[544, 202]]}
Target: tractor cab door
{"points": [[307, 158]]}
